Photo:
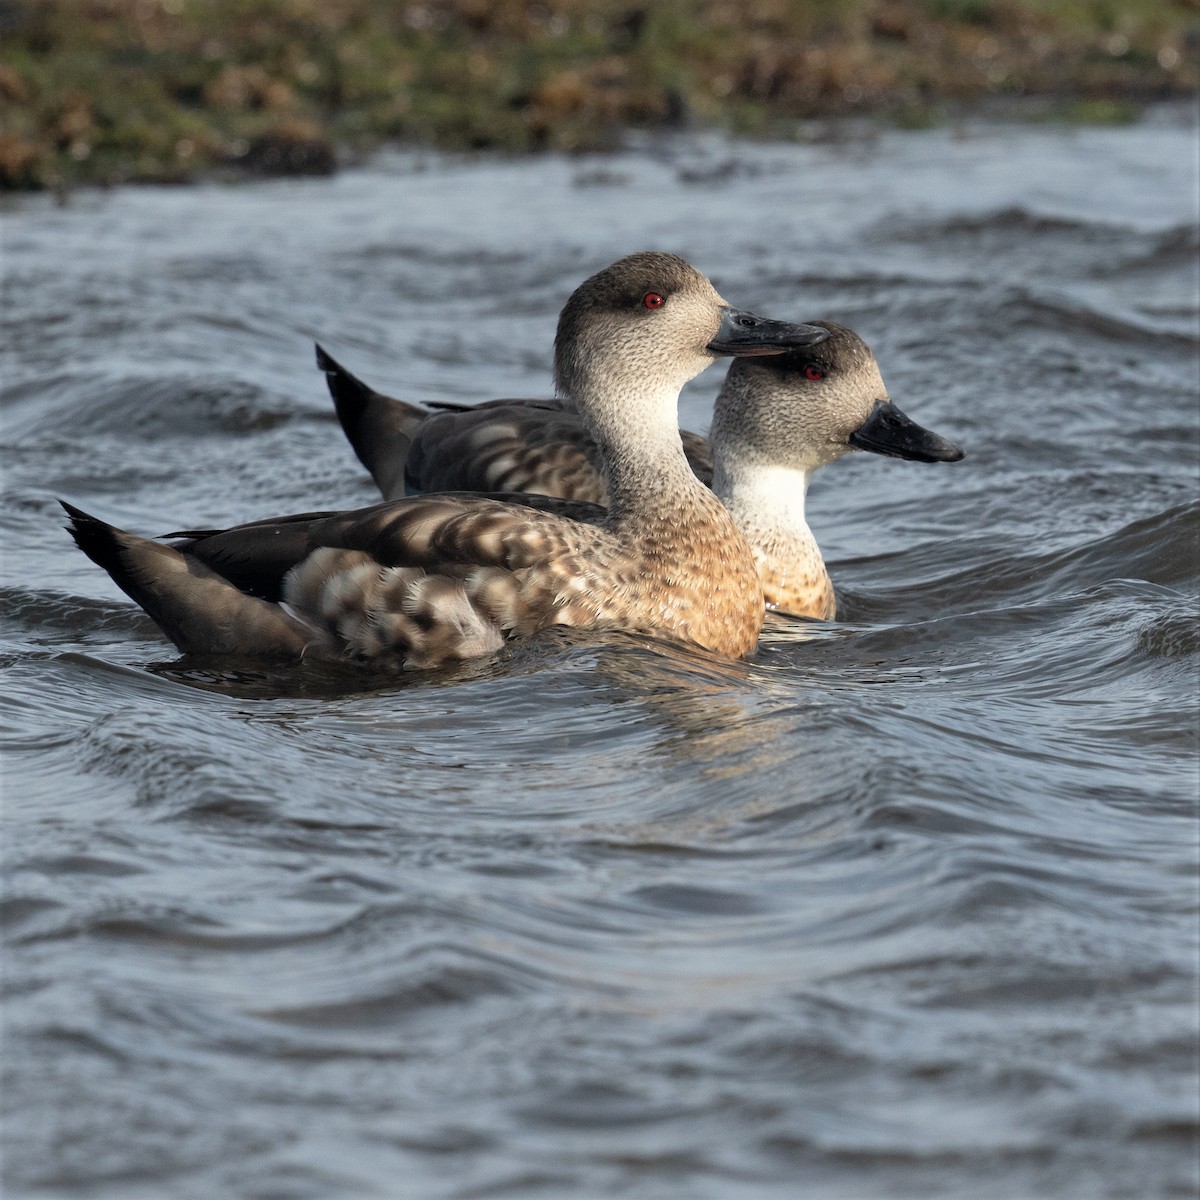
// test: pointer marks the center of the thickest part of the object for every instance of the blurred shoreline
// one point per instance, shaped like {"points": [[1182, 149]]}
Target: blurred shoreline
{"points": [[169, 91]]}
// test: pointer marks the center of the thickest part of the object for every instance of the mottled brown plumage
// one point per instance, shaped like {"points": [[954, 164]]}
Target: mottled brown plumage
{"points": [[773, 426], [439, 577]]}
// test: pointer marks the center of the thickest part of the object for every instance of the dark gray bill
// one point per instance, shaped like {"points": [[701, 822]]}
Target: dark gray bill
{"points": [[888, 431], [742, 334]]}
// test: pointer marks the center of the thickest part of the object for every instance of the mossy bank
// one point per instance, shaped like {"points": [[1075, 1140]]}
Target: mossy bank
{"points": [[113, 91]]}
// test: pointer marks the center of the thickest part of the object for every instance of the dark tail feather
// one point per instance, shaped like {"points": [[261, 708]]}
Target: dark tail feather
{"points": [[380, 429], [200, 612]]}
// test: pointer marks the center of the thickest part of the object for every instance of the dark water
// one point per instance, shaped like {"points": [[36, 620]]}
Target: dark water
{"points": [[906, 907]]}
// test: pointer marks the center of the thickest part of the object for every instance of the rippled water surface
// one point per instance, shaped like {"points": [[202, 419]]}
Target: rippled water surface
{"points": [[904, 907]]}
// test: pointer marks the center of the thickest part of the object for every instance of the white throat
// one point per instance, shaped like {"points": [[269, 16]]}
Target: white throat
{"points": [[764, 497]]}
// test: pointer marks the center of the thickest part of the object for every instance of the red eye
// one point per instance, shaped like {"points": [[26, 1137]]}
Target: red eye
{"points": [[813, 373], [654, 300]]}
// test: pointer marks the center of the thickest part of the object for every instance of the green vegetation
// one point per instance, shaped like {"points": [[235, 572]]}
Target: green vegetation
{"points": [[106, 91]]}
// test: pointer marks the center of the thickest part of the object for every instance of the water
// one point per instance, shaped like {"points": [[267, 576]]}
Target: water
{"points": [[904, 907]]}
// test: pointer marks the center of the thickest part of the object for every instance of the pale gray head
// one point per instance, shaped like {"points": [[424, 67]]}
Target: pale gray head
{"points": [[651, 321], [801, 410]]}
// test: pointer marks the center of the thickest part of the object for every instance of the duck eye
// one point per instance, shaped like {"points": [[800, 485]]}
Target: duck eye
{"points": [[813, 373], [654, 300]]}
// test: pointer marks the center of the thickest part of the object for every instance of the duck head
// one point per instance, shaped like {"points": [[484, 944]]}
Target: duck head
{"points": [[805, 408], [654, 318]]}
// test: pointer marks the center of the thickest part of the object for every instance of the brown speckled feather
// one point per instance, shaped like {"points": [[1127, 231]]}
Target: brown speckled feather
{"points": [[524, 569]]}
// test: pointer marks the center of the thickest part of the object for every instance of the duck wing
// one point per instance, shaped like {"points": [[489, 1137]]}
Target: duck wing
{"points": [[422, 531], [535, 446], [423, 581], [507, 446], [428, 580]]}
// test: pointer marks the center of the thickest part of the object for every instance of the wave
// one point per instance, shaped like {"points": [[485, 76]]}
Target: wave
{"points": [[1162, 549], [165, 406], [1075, 314], [1111, 247]]}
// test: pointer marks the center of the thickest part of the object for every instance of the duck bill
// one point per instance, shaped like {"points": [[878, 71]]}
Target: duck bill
{"points": [[742, 334], [888, 431]]}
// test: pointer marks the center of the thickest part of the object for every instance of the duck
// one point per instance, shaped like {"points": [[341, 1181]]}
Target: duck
{"points": [[436, 578], [776, 421]]}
